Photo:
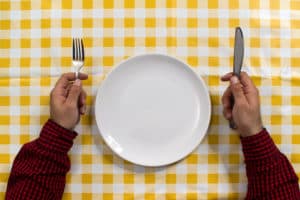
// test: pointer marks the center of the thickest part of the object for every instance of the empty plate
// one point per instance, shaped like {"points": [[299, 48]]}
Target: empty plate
{"points": [[152, 110]]}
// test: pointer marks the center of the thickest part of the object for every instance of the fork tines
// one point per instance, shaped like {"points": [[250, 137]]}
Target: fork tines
{"points": [[78, 49]]}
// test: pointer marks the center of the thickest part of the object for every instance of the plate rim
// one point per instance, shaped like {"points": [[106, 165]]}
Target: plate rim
{"points": [[187, 66]]}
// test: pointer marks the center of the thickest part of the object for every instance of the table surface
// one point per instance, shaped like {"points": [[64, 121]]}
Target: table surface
{"points": [[35, 48]]}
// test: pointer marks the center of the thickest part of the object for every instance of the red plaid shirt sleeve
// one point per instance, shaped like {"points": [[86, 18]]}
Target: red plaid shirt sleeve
{"points": [[270, 174], [39, 170]]}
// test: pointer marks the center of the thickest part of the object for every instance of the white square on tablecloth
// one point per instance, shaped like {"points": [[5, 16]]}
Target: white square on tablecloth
{"points": [[202, 187], [15, 33], [34, 129], [76, 14], [244, 14], [117, 169], [97, 169], [203, 13], [139, 32], [35, 14], [181, 13], [286, 110], [15, 52], [75, 188], [55, 52], [202, 169], [97, 13], [285, 52], [265, 90], [55, 32], [14, 148], [286, 91], [222, 13], [181, 32], [181, 188], [77, 32], [223, 188], [223, 33], [286, 149], [55, 14], [14, 110], [161, 32], [202, 32], [97, 51], [139, 188], [35, 53], [119, 51], [97, 188], [285, 33], [97, 33], [266, 110], [15, 15], [118, 13], [118, 32], [76, 168], [140, 13], [203, 51], [15, 129], [224, 52], [160, 188], [286, 72], [118, 188], [162, 50], [242, 187], [34, 110], [14, 91], [287, 129], [264, 14], [182, 50], [160, 13]]}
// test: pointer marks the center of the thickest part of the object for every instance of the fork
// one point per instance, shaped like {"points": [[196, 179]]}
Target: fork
{"points": [[78, 55]]}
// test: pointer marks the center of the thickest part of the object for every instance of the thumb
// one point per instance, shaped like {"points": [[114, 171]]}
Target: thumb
{"points": [[74, 92], [237, 90]]}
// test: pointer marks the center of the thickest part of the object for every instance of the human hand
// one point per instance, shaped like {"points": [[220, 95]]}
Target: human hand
{"points": [[67, 100], [245, 112]]}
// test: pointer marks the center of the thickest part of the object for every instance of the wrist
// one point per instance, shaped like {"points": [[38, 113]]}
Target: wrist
{"points": [[66, 126], [251, 131]]}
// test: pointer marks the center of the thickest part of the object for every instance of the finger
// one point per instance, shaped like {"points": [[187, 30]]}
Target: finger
{"points": [[74, 93], [82, 98], [227, 76], [66, 91], [246, 80], [67, 77], [251, 92], [82, 109], [226, 101], [237, 90], [82, 102]]}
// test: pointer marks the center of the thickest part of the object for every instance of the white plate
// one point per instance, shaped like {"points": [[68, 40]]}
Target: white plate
{"points": [[153, 110]]}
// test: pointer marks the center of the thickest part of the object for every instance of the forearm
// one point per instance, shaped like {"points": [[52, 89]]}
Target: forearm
{"points": [[270, 174], [40, 167]]}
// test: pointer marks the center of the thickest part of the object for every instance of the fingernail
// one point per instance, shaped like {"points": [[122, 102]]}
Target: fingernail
{"points": [[77, 82], [234, 80]]}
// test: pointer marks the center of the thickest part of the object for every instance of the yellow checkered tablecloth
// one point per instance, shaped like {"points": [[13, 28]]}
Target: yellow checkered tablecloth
{"points": [[35, 48]]}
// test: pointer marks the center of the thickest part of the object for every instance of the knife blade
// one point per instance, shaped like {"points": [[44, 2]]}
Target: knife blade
{"points": [[238, 52]]}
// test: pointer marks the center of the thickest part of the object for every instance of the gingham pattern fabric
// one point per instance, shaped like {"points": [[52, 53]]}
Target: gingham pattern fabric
{"points": [[35, 48]]}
